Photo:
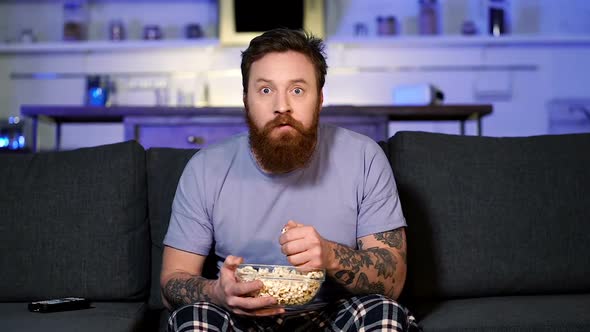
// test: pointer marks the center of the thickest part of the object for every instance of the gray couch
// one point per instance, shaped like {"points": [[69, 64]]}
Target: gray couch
{"points": [[498, 233]]}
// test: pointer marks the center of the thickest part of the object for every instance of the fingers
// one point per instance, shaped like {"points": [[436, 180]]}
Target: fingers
{"points": [[251, 303], [244, 288], [232, 262], [305, 262], [293, 224], [294, 247], [298, 259], [237, 294], [293, 231]]}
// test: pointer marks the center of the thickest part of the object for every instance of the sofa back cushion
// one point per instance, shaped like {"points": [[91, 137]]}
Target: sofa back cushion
{"points": [[74, 223], [494, 216], [164, 168]]}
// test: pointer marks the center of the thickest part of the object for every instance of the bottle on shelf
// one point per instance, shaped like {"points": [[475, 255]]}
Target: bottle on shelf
{"points": [[116, 30], [75, 17], [498, 22], [428, 22]]}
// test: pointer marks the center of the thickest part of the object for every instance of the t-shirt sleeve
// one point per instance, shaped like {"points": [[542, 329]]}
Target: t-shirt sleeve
{"points": [[190, 227], [380, 208]]}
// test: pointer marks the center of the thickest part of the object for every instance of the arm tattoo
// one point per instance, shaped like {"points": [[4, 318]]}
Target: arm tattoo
{"points": [[179, 292], [391, 238], [384, 262], [354, 261], [345, 276], [364, 285], [357, 264]]}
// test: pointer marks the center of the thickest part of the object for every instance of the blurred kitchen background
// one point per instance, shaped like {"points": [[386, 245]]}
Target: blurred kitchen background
{"points": [[530, 59]]}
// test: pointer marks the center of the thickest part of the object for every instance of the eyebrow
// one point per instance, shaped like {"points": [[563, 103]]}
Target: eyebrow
{"points": [[297, 80]]}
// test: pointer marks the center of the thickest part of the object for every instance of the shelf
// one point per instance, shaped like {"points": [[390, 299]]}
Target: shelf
{"points": [[459, 41], [346, 42], [105, 46]]}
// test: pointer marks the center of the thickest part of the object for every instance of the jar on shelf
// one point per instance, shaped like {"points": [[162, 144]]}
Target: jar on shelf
{"points": [[498, 17], [152, 32], [428, 21], [116, 30], [387, 26], [75, 18], [392, 25]]}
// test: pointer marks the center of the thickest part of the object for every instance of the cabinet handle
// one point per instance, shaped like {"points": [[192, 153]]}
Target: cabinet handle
{"points": [[197, 140]]}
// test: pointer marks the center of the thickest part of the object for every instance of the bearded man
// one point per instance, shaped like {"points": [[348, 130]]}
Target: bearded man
{"points": [[290, 192]]}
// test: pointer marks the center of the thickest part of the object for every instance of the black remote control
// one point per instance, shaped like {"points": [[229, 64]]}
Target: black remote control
{"points": [[63, 304]]}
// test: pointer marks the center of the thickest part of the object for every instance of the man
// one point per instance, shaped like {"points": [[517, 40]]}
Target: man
{"points": [[331, 189]]}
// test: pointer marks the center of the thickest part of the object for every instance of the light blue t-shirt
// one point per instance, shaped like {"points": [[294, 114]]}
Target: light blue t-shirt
{"points": [[347, 191]]}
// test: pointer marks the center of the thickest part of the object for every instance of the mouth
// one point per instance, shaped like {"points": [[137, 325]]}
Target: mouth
{"points": [[283, 129], [284, 126]]}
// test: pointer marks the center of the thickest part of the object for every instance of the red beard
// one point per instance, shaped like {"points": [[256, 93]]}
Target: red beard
{"points": [[290, 150]]}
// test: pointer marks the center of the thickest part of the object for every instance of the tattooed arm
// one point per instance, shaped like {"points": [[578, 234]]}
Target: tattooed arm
{"points": [[378, 266], [180, 279]]}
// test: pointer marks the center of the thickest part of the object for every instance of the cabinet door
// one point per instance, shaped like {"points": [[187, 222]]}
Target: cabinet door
{"points": [[199, 132], [373, 126], [186, 136], [183, 133]]}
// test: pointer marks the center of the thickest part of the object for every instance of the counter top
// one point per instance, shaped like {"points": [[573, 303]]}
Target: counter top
{"points": [[117, 113]]}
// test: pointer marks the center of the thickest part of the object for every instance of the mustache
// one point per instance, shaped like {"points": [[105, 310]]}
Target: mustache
{"points": [[284, 119]]}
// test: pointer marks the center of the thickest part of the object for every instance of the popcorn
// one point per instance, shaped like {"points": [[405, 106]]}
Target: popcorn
{"points": [[287, 285]]}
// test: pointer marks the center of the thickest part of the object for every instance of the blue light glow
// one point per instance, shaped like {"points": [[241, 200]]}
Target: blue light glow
{"points": [[13, 120], [21, 141], [97, 93], [3, 142], [14, 145], [97, 97]]}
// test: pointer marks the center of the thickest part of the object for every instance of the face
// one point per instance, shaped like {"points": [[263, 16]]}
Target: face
{"points": [[282, 83], [282, 109]]}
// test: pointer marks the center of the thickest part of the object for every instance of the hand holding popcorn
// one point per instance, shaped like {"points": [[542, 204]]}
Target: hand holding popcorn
{"points": [[304, 246]]}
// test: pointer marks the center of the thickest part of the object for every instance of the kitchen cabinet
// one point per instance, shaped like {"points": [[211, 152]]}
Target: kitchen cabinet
{"points": [[197, 127], [200, 131]]}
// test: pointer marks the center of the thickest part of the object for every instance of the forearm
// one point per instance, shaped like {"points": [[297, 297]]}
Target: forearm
{"points": [[183, 288], [367, 271]]}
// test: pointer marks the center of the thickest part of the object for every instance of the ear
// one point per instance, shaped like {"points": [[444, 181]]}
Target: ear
{"points": [[245, 100], [321, 99]]}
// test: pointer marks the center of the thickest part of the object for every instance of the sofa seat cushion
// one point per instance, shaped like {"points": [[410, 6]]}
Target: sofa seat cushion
{"points": [[511, 313], [103, 316]]}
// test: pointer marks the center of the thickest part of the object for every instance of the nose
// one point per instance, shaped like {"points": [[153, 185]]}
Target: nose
{"points": [[281, 104]]}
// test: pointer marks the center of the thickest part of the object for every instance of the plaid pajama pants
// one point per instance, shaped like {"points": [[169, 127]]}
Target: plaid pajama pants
{"points": [[359, 313]]}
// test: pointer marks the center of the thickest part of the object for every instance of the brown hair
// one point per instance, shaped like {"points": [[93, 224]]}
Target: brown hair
{"points": [[283, 40]]}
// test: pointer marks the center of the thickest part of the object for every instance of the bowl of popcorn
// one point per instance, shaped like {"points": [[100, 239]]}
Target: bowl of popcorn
{"points": [[291, 286]]}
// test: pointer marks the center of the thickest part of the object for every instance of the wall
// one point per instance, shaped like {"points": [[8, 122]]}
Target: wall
{"points": [[45, 17], [527, 16], [519, 75]]}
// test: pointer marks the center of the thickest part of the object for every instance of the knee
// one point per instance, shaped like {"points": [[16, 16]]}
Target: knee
{"points": [[379, 301], [378, 307], [195, 313]]}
